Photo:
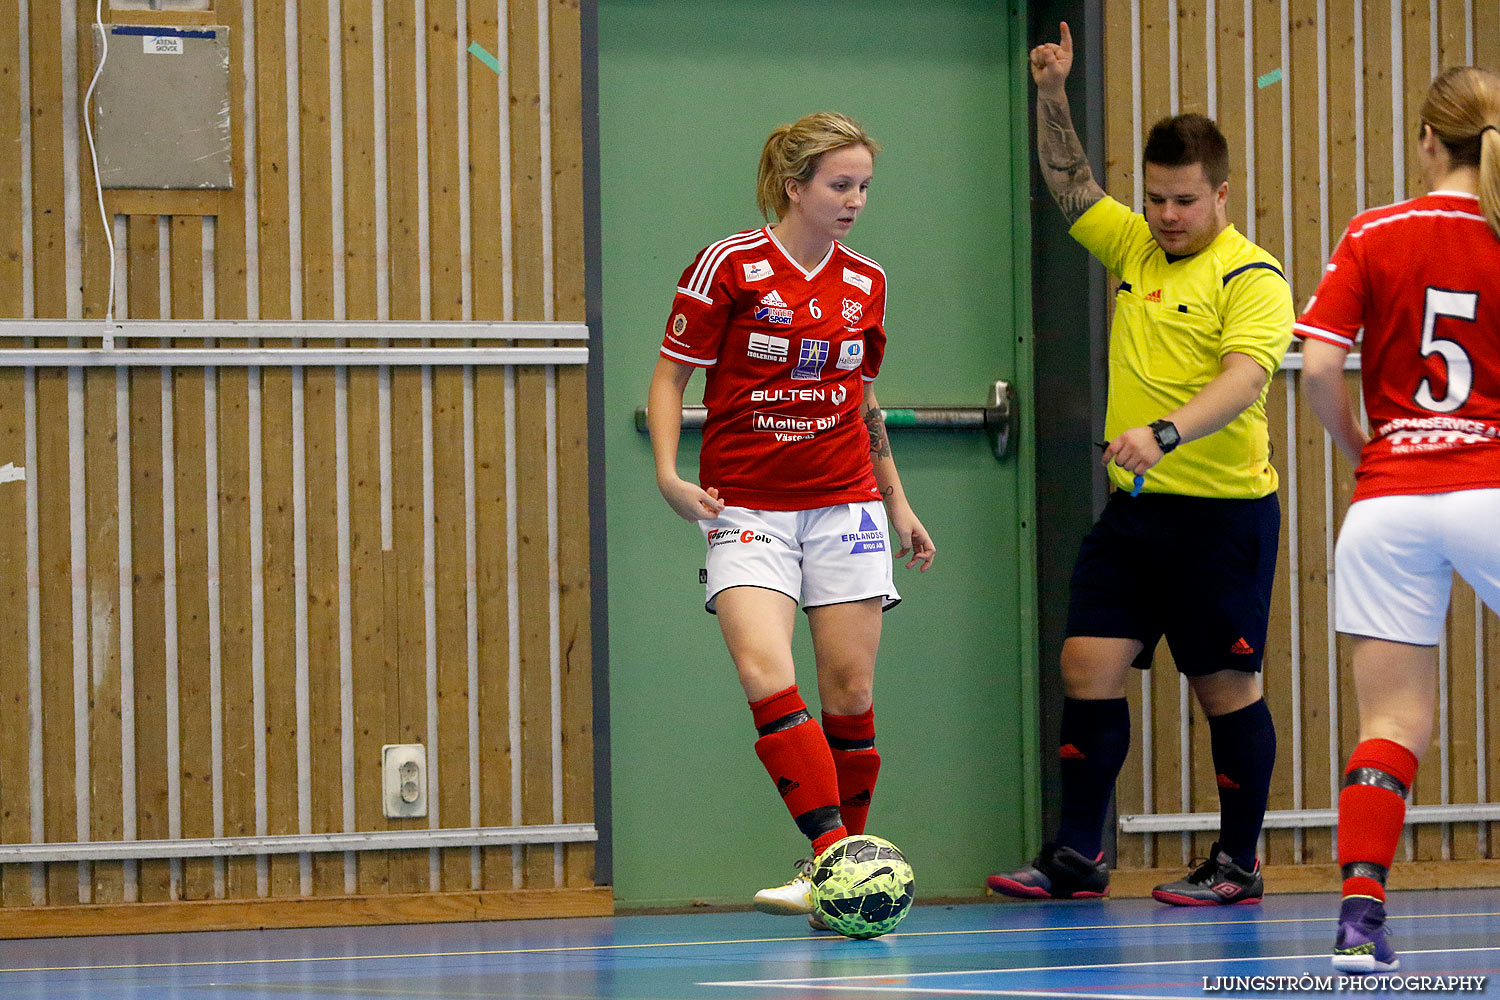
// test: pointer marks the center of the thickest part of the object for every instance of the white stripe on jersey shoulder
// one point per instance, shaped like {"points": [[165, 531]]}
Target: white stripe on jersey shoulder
{"points": [[1318, 333], [690, 360], [694, 295], [1435, 213], [713, 256], [862, 258]]}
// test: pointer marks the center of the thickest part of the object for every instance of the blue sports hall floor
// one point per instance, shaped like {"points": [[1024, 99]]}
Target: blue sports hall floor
{"points": [[1131, 949]]}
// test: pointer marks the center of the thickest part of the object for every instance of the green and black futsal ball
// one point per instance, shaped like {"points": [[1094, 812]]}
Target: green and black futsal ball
{"points": [[862, 886]]}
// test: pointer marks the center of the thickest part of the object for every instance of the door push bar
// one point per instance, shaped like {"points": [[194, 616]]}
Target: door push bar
{"points": [[994, 417]]}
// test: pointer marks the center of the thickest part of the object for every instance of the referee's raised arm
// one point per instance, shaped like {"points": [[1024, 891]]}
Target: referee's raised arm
{"points": [[1064, 166]]}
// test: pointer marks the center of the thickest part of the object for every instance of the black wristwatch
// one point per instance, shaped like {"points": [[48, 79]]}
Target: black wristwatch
{"points": [[1166, 435]]}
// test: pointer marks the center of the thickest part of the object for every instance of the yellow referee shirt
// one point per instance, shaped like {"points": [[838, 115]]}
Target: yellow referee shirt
{"points": [[1174, 322]]}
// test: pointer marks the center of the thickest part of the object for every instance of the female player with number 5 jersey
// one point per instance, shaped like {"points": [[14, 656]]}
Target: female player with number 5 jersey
{"points": [[1422, 278], [797, 478]]}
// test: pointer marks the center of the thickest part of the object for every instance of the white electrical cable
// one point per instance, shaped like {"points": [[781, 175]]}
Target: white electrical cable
{"points": [[88, 127]]}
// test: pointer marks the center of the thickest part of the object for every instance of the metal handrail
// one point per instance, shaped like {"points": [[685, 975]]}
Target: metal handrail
{"points": [[994, 418]]}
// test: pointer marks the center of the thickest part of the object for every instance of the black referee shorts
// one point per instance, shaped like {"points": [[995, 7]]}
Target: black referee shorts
{"points": [[1196, 570]]}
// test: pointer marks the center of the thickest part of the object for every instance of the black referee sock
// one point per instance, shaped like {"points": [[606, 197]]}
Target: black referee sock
{"points": [[1244, 751], [1095, 738]]}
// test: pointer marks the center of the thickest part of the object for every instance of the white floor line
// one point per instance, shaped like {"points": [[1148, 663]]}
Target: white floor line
{"points": [[845, 983]]}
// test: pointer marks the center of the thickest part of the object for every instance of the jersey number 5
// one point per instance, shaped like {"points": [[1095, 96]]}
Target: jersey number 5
{"points": [[1458, 305]]}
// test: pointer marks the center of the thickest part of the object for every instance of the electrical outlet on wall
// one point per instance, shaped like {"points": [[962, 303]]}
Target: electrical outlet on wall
{"points": [[404, 768]]}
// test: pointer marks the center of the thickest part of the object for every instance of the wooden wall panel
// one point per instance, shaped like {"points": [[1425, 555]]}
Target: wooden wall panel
{"points": [[15, 805], [446, 210], [13, 121], [228, 564], [283, 776], [238, 625], [491, 482], [360, 283], [49, 284], [1279, 656], [486, 100], [15, 701], [190, 450], [323, 639], [58, 762], [572, 441], [373, 663], [148, 595], [450, 588], [405, 593], [1193, 66], [1352, 82]]}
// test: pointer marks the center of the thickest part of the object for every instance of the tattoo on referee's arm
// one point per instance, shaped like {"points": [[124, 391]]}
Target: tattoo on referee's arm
{"points": [[880, 444]]}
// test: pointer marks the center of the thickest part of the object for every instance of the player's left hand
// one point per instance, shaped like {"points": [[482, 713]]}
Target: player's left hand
{"points": [[914, 539], [1134, 451]]}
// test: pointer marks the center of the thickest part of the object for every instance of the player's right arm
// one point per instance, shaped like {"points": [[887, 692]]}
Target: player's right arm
{"points": [[664, 419], [1065, 168], [1323, 385], [1328, 329]]}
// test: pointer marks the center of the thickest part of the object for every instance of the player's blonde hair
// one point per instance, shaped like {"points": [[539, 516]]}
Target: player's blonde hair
{"points": [[1463, 108], [792, 152]]}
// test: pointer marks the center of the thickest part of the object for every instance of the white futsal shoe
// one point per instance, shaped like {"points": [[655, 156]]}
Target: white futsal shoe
{"points": [[793, 898]]}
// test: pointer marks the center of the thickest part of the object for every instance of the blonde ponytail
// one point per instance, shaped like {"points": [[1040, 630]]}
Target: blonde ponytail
{"points": [[1463, 108], [1489, 175]]}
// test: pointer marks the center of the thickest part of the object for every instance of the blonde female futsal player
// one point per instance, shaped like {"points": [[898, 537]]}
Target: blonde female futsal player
{"points": [[797, 478], [1423, 279]]}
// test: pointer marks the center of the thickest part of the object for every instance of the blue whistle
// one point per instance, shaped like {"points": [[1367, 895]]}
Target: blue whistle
{"points": [[1135, 487]]}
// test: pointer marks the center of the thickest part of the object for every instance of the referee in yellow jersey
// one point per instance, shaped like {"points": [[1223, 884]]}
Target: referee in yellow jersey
{"points": [[1186, 546]]}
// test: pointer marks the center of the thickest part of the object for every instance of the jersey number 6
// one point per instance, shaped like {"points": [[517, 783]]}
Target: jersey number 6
{"points": [[1458, 305]]}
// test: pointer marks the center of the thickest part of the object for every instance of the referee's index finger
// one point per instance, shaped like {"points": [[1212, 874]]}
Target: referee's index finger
{"points": [[1067, 37]]}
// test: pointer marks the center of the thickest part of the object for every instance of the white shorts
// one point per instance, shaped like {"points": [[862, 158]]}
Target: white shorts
{"points": [[1396, 558], [830, 555]]}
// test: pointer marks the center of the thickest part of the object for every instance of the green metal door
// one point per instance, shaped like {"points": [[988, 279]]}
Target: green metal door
{"points": [[688, 92]]}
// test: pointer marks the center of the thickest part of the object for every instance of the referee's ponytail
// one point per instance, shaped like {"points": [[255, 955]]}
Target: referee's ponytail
{"points": [[792, 152], [1463, 108]]}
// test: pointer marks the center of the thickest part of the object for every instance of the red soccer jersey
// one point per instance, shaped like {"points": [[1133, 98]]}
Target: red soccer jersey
{"points": [[1423, 279], [787, 352]]}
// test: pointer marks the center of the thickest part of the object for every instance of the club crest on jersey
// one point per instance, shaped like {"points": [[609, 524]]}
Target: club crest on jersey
{"points": [[771, 298], [851, 355], [765, 347], [770, 314], [852, 311], [868, 538], [839, 395], [860, 281], [758, 270], [810, 362], [679, 324]]}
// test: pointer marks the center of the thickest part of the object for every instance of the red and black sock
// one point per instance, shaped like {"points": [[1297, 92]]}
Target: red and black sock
{"points": [[796, 756], [1095, 738], [1372, 809], [1243, 743], [851, 738]]}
